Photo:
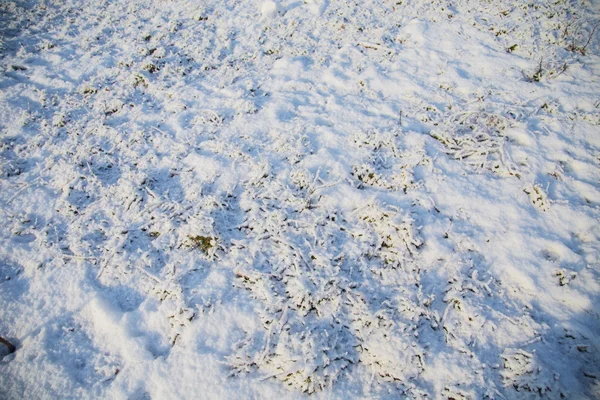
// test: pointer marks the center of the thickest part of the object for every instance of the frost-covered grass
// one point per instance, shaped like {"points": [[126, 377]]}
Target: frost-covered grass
{"points": [[374, 199]]}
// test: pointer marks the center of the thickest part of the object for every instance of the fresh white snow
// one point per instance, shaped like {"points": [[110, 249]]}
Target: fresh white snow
{"points": [[282, 199]]}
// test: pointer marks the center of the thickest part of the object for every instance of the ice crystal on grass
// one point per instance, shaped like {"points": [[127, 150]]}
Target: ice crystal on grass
{"points": [[309, 358], [308, 269], [205, 243], [396, 241], [477, 138], [538, 197], [212, 178], [385, 166], [385, 345], [523, 371]]}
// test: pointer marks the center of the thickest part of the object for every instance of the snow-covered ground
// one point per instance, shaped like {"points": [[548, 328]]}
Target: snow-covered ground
{"points": [[271, 199]]}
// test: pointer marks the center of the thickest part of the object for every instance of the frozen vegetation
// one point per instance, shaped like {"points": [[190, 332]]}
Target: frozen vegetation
{"points": [[282, 199]]}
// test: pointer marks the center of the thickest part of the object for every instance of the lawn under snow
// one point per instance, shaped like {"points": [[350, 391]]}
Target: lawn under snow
{"points": [[270, 199]]}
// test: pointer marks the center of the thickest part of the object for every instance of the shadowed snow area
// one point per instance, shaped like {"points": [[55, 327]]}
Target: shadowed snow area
{"points": [[275, 199]]}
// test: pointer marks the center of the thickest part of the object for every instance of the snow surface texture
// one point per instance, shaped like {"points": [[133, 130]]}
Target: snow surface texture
{"points": [[269, 199]]}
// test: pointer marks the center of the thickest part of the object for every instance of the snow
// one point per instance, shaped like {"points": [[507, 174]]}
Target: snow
{"points": [[269, 9], [277, 199]]}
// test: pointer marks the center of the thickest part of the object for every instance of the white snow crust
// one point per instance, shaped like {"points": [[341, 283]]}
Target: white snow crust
{"points": [[282, 199]]}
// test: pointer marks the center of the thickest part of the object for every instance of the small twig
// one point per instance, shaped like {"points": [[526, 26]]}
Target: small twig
{"points": [[372, 46], [562, 71], [11, 347], [76, 257], [23, 189], [151, 193], [148, 274], [540, 71], [582, 50], [326, 185], [160, 131], [149, 208]]}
